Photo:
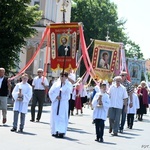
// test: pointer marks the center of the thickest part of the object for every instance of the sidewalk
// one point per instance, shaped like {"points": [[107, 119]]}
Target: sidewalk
{"points": [[80, 134]]}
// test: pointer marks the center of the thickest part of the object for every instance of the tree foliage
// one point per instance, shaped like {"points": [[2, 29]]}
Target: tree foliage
{"points": [[133, 50], [98, 17], [17, 18]]}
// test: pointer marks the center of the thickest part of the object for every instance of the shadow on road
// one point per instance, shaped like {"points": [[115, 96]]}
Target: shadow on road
{"points": [[77, 130], [26, 133]]}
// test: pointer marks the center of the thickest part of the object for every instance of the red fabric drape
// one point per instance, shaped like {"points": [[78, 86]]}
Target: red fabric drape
{"points": [[33, 57], [86, 58]]}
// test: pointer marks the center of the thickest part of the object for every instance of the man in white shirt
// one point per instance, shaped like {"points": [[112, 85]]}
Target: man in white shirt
{"points": [[40, 84], [117, 95]]}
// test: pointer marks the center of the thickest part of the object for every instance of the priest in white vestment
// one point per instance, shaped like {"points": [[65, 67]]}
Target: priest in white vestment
{"points": [[59, 119]]}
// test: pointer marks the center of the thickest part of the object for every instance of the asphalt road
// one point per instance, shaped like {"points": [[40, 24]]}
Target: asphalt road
{"points": [[80, 134]]}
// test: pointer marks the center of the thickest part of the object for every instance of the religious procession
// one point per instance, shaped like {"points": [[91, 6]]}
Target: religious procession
{"points": [[70, 74]]}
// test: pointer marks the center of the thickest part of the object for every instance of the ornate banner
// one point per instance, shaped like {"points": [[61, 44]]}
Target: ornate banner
{"points": [[135, 67], [119, 59], [104, 59], [63, 37], [147, 64]]}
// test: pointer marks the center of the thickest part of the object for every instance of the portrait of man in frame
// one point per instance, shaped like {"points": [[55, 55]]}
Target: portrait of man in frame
{"points": [[63, 45]]}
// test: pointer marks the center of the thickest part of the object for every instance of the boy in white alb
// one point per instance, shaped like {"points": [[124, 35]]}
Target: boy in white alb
{"points": [[22, 94], [100, 104], [132, 111]]}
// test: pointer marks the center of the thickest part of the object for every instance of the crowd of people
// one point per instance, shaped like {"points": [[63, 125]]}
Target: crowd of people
{"points": [[116, 101]]}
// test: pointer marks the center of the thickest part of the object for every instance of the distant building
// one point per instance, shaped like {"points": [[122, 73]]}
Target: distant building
{"points": [[51, 14]]}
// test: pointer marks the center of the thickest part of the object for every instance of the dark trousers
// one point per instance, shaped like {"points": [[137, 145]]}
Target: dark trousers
{"points": [[71, 106], [99, 126], [38, 97], [123, 118], [130, 119]]}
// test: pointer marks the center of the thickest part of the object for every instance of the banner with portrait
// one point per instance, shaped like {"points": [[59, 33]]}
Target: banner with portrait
{"points": [[136, 68], [147, 65], [104, 59], [63, 45]]}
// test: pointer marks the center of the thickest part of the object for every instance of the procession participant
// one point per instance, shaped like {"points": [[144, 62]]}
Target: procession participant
{"points": [[117, 94], [71, 79], [143, 100], [51, 82], [59, 122], [96, 89], [72, 104], [130, 89], [22, 94], [131, 111], [5, 87], [100, 104], [89, 96], [78, 103], [40, 84], [83, 95]]}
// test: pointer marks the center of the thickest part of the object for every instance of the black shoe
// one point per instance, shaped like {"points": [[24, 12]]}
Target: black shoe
{"points": [[37, 120], [93, 122], [20, 130], [71, 113], [32, 120], [97, 140], [130, 127], [4, 120], [110, 130], [121, 131], [55, 135], [101, 140], [114, 134], [61, 135], [13, 130]]}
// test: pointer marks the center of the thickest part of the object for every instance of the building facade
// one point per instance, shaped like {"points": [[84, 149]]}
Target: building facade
{"points": [[51, 14]]}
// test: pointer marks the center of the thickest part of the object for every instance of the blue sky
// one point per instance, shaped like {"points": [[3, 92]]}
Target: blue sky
{"points": [[137, 14]]}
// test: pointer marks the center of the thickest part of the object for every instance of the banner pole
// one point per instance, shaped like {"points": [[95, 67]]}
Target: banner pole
{"points": [[66, 49]]}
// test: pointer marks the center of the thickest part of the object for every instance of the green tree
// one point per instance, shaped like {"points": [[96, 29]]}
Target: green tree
{"points": [[133, 50], [98, 17], [17, 19]]}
